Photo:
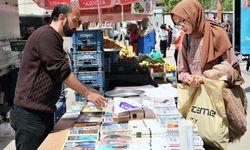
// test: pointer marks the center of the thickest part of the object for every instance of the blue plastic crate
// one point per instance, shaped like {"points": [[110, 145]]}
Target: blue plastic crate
{"points": [[87, 68], [60, 110], [94, 78], [62, 95], [88, 40], [88, 59], [62, 99], [110, 57], [79, 97]]}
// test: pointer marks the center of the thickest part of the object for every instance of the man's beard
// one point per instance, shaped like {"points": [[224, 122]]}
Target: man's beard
{"points": [[66, 30]]}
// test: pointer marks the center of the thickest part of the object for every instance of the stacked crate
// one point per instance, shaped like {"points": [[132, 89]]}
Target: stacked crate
{"points": [[88, 59], [60, 106]]}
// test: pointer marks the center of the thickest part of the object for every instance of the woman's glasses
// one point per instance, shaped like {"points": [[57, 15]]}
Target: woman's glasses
{"points": [[180, 23]]}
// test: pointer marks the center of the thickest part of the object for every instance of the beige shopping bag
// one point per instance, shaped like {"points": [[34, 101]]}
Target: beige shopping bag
{"points": [[205, 107], [185, 95]]}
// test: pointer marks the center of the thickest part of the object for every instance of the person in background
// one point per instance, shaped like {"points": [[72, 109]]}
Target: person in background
{"points": [[248, 63], [163, 35], [43, 70], [170, 36], [115, 34], [29, 31], [133, 34], [146, 38], [230, 30], [226, 27], [123, 32], [246, 3], [177, 40]]}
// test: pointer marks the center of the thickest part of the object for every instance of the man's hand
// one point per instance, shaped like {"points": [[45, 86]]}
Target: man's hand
{"points": [[95, 98], [90, 93], [93, 90]]}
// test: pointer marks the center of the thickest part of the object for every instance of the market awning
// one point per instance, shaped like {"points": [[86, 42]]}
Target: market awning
{"points": [[84, 4], [112, 14], [109, 10]]}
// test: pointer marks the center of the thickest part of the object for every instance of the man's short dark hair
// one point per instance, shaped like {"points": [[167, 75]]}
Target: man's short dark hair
{"points": [[163, 26], [60, 9]]}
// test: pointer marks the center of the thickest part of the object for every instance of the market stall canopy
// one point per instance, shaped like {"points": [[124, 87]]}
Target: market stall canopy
{"points": [[112, 14], [84, 4], [111, 10]]}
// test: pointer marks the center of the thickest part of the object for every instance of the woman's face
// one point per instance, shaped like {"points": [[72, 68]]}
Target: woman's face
{"points": [[183, 24]]}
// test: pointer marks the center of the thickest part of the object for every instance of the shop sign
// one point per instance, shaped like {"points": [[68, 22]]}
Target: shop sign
{"points": [[114, 10], [51, 3], [104, 25], [93, 4]]}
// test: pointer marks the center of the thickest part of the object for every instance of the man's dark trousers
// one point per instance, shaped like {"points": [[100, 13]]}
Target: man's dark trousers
{"points": [[31, 127]]}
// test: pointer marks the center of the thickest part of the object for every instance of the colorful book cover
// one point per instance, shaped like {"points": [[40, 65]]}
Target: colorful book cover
{"points": [[90, 107], [109, 110], [83, 131], [114, 142], [87, 125], [84, 137], [108, 120], [90, 119], [83, 145]]}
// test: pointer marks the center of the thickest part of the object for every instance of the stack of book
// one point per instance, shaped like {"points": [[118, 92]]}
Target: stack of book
{"points": [[84, 138], [183, 135]]}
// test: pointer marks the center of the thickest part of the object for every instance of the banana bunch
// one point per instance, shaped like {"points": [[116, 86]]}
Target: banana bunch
{"points": [[131, 55], [123, 52], [169, 67], [126, 51], [144, 63]]}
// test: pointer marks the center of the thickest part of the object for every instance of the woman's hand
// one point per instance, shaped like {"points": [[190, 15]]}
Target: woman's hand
{"points": [[193, 80]]}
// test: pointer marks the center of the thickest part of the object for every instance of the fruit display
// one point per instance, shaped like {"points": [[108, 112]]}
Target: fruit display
{"points": [[157, 68], [169, 67], [158, 64], [126, 51], [108, 43]]}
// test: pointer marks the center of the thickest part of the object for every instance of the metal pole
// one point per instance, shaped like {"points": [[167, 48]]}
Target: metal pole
{"points": [[163, 16], [122, 14], [233, 21], [219, 11], [99, 14]]}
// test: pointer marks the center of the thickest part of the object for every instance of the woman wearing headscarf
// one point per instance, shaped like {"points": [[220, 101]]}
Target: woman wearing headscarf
{"points": [[207, 51], [204, 45]]}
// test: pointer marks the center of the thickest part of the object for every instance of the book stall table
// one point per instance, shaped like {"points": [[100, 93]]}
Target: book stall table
{"points": [[148, 121]]}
